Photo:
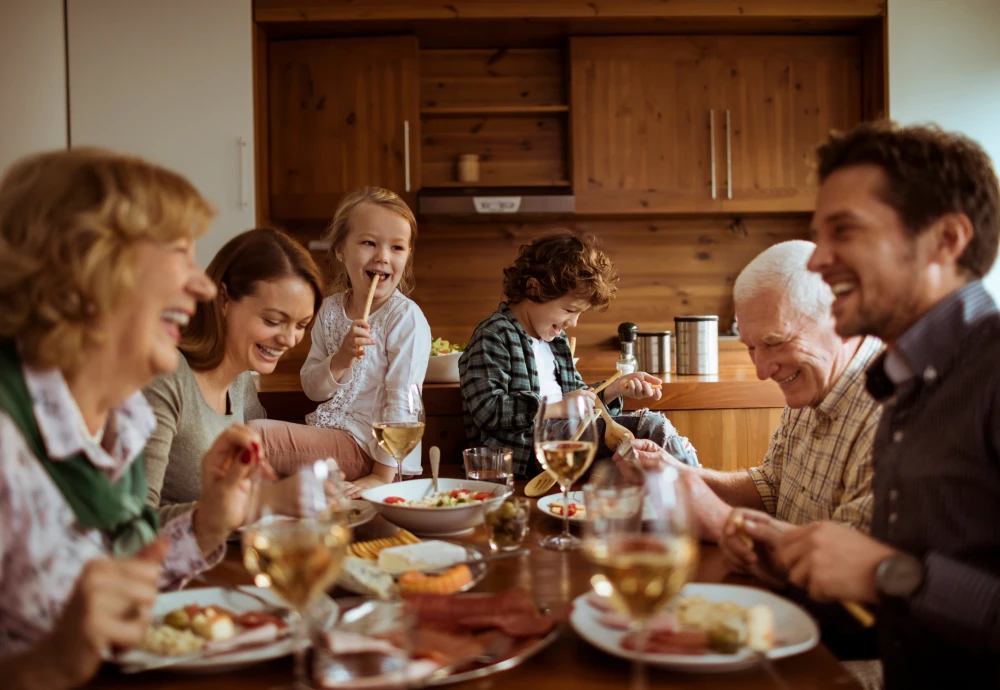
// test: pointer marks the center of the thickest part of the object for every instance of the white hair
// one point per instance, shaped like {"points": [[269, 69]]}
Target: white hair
{"points": [[782, 269]]}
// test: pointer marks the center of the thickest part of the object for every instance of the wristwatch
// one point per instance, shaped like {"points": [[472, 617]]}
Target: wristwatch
{"points": [[899, 576]]}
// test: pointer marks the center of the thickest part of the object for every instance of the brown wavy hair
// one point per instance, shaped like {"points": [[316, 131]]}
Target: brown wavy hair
{"points": [[561, 263], [929, 173], [70, 223], [252, 257], [340, 226]]}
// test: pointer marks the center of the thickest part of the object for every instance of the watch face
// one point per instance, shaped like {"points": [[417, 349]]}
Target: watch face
{"points": [[900, 575]]}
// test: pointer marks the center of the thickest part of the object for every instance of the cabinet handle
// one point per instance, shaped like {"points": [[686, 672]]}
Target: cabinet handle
{"points": [[406, 152], [244, 195], [711, 139], [729, 160]]}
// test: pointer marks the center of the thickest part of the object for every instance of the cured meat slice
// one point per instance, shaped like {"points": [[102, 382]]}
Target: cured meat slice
{"points": [[662, 622], [445, 612], [251, 636], [675, 642]]}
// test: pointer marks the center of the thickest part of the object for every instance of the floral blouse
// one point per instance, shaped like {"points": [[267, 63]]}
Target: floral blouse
{"points": [[42, 548]]}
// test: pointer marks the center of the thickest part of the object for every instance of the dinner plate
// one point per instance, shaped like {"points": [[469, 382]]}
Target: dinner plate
{"points": [[577, 497], [477, 569], [227, 599], [361, 512], [794, 631]]}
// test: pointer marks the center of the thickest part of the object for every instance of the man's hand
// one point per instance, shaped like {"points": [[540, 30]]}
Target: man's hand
{"points": [[832, 561], [748, 543], [636, 385], [651, 457]]}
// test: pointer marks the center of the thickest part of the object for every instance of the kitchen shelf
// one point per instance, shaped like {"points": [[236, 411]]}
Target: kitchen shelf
{"points": [[451, 184], [461, 110]]}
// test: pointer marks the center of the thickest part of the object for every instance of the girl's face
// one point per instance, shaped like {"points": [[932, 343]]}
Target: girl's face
{"points": [[261, 327], [377, 244]]}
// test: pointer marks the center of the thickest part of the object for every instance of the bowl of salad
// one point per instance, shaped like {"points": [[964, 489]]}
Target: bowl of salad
{"points": [[443, 365], [457, 506]]}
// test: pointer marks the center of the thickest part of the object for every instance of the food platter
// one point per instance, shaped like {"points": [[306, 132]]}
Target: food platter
{"points": [[478, 569]]}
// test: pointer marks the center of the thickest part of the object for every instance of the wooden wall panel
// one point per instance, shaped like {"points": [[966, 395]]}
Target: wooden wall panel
{"points": [[450, 78], [731, 439]]}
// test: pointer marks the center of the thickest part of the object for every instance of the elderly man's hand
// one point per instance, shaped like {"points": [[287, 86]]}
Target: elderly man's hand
{"points": [[832, 561], [748, 544], [650, 456]]}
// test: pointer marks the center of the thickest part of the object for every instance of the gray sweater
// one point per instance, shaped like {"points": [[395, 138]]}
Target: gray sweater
{"points": [[186, 427]]}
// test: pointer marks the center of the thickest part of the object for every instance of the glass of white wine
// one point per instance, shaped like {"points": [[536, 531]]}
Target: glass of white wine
{"points": [[565, 444], [639, 544], [398, 422], [298, 555]]}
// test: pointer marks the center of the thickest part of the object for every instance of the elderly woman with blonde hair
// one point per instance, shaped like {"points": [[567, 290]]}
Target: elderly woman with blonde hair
{"points": [[97, 272]]}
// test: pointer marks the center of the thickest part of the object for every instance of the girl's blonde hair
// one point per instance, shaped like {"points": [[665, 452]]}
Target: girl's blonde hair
{"points": [[70, 222], [337, 232]]}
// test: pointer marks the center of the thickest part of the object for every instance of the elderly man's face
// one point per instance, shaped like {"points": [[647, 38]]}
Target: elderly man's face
{"points": [[794, 350]]}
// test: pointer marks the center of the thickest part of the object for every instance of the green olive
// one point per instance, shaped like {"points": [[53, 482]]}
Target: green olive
{"points": [[178, 619], [509, 511]]}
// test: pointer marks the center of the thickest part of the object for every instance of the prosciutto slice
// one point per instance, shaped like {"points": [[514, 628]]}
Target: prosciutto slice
{"points": [[675, 642]]}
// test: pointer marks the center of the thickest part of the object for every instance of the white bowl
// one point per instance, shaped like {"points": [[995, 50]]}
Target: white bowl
{"points": [[437, 522], [443, 368]]}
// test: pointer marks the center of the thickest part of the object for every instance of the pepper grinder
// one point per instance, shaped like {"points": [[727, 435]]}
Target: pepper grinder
{"points": [[627, 334]]}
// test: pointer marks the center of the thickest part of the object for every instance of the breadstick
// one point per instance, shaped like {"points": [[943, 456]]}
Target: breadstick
{"points": [[368, 304], [572, 346]]}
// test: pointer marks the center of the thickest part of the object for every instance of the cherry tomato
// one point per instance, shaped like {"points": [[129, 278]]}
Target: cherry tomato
{"points": [[572, 509], [457, 493], [395, 499], [483, 496]]}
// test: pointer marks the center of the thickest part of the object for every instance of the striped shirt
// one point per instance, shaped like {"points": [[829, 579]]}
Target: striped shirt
{"points": [[937, 493], [819, 463]]}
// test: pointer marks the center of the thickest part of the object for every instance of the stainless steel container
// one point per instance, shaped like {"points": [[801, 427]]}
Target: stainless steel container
{"points": [[653, 351], [697, 344]]}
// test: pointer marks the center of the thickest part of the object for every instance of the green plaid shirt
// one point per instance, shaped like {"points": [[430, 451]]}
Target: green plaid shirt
{"points": [[500, 390]]}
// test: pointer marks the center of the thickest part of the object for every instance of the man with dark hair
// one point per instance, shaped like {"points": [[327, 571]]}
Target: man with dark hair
{"points": [[906, 224]]}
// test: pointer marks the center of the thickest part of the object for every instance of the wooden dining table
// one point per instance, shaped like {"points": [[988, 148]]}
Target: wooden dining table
{"points": [[569, 663]]}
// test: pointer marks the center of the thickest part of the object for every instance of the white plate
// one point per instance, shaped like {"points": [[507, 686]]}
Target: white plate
{"points": [[436, 522], [577, 497], [224, 598], [794, 631]]}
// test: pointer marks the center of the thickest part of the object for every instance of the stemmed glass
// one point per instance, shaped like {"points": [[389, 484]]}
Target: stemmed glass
{"points": [[565, 444], [398, 422], [296, 544], [639, 544]]}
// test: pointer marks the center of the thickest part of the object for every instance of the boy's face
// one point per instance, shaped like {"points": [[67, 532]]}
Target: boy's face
{"points": [[546, 320]]}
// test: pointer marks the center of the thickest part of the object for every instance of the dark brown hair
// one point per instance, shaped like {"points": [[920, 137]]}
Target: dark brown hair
{"points": [[258, 255], [561, 263], [340, 226], [929, 173]]}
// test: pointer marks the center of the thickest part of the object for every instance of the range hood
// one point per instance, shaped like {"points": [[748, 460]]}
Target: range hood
{"points": [[495, 201]]}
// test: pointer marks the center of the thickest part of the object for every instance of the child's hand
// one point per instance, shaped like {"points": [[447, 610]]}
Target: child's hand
{"points": [[637, 385], [351, 347]]}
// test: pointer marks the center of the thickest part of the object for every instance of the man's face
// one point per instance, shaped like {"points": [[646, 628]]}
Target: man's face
{"points": [[794, 350], [877, 271]]}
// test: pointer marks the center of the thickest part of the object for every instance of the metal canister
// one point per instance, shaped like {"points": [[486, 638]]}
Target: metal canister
{"points": [[653, 351], [697, 344]]}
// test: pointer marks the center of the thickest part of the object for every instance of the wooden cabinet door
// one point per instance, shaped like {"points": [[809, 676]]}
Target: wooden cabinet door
{"points": [[640, 112], [783, 94], [343, 113]]}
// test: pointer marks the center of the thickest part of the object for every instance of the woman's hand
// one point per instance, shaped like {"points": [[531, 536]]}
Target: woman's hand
{"points": [[227, 485], [636, 385], [109, 610], [352, 347]]}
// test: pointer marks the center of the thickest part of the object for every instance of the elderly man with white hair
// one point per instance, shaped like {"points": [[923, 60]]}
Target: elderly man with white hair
{"points": [[819, 462]]}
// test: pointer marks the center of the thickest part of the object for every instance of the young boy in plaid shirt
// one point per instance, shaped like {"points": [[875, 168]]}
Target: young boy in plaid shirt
{"points": [[520, 353]]}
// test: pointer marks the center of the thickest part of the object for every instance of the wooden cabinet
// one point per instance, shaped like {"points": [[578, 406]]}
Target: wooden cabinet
{"points": [[343, 113], [706, 123]]}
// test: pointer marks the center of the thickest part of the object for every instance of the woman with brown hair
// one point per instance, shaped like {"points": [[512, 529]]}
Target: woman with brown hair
{"points": [[97, 272], [269, 289]]}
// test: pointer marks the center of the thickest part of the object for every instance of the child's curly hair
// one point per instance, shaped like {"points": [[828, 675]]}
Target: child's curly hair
{"points": [[561, 263]]}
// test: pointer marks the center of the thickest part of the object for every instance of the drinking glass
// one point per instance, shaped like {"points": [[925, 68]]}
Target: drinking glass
{"points": [[565, 444], [507, 523], [486, 464], [398, 422], [639, 544], [297, 547]]}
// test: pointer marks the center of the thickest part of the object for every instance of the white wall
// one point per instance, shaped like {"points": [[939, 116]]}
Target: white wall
{"points": [[944, 67], [172, 81], [32, 78]]}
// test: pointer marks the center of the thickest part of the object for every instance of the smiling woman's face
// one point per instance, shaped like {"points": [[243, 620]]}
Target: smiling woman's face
{"points": [[264, 325]]}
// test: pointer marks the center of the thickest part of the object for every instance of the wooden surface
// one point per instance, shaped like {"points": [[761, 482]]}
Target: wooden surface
{"points": [[336, 119], [347, 10], [552, 578]]}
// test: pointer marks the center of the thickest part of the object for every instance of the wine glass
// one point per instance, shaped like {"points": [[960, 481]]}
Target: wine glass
{"points": [[296, 542], [639, 544], [565, 444], [398, 422]]}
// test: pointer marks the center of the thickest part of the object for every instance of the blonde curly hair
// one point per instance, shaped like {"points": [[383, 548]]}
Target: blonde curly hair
{"points": [[70, 222]]}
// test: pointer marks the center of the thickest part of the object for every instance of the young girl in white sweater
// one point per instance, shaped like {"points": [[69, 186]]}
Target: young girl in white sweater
{"points": [[373, 232]]}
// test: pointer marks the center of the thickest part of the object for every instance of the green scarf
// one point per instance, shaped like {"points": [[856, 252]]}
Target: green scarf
{"points": [[118, 510]]}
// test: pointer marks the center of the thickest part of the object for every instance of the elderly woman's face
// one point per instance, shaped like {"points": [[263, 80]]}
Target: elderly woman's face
{"points": [[168, 285], [795, 351], [262, 327]]}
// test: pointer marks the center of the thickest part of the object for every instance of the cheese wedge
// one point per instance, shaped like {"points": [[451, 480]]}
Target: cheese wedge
{"points": [[760, 628], [426, 555], [363, 575]]}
